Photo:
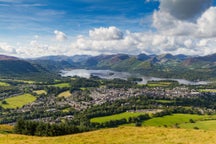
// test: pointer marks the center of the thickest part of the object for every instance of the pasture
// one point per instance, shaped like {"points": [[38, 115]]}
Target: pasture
{"points": [[3, 84], [204, 125], [125, 115], [62, 85], [18, 101], [39, 92], [65, 94]]}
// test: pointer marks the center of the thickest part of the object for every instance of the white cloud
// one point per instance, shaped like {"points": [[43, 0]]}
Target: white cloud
{"points": [[60, 36], [170, 19], [110, 33], [179, 30], [6, 48], [207, 23]]}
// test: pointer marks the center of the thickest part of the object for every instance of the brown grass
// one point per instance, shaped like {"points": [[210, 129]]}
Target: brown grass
{"points": [[122, 135]]}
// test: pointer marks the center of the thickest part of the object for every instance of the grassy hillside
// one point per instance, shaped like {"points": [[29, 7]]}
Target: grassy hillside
{"points": [[62, 85], [18, 101], [125, 115], [65, 94], [121, 135], [172, 120], [2, 84], [204, 125]]}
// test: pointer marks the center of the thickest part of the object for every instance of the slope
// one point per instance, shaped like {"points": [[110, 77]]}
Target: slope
{"points": [[121, 135]]}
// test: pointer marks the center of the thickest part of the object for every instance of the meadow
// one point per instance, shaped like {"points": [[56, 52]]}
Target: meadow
{"points": [[18, 101], [65, 94], [204, 125], [4, 84], [39, 92], [208, 90], [173, 120], [158, 84], [125, 115], [62, 85], [121, 135]]}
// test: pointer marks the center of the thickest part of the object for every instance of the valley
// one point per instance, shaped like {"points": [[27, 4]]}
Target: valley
{"points": [[79, 99]]}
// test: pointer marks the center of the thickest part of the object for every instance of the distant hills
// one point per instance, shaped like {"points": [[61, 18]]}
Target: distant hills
{"points": [[166, 65], [13, 67]]}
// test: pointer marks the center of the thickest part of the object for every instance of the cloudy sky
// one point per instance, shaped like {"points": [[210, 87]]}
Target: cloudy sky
{"points": [[33, 28]]}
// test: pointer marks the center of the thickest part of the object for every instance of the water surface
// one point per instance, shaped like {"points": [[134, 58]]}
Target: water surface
{"points": [[109, 74]]}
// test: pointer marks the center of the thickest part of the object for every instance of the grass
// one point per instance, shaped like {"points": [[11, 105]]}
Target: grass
{"points": [[121, 135], [6, 129], [207, 90], [165, 101], [18, 101], [158, 84], [172, 120], [62, 85], [3, 84], [204, 125], [64, 94], [39, 92], [125, 115]]}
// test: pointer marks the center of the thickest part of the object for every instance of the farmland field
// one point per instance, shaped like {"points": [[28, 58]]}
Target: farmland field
{"points": [[4, 84], [172, 120], [65, 94], [204, 125], [158, 84], [121, 135], [125, 115], [39, 92], [208, 90], [62, 85], [18, 101]]}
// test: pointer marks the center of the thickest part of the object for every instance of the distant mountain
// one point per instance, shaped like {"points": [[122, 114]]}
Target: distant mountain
{"points": [[166, 65], [11, 67], [4, 57]]}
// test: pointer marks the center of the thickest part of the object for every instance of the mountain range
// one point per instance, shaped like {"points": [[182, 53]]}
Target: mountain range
{"points": [[166, 65]]}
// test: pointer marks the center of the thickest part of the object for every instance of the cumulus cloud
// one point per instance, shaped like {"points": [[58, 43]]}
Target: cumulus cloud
{"points": [[60, 36], [183, 17], [184, 9], [6, 48], [143, 42], [110, 33], [207, 23]]}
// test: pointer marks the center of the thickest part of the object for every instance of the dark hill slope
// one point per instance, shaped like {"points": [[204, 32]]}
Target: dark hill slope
{"points": [[12, 67]]}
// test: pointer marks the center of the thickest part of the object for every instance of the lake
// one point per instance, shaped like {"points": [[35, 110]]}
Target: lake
{"points": [[108, 74]]}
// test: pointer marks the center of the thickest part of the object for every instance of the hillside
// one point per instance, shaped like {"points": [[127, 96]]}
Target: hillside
{"points": [[121, 135], [165, 66], [12, 67]]}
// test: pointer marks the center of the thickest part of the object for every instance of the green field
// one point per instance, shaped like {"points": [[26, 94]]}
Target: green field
{"points": [[165, 101], [207, 90], [204, 125], [39, 92], [158, 84], [18, 101], [64, 94], [62, 85], [125, 115], [4, 84], [121, 135], [172, 120]]}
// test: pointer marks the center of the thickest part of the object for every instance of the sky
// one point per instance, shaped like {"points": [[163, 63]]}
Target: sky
{"points": [[35, 28]]}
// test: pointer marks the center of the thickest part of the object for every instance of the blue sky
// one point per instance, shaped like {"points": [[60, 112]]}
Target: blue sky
{"points": [[32, 28], [28, 17]]}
